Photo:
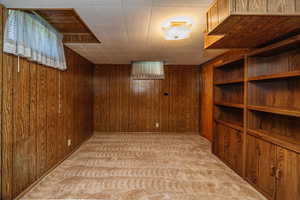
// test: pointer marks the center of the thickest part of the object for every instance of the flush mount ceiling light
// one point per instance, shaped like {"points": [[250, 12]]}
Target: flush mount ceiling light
{"points": [[178, 28]]}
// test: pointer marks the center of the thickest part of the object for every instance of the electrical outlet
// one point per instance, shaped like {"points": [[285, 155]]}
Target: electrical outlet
{"points": [[69, 142], [157, 125]]}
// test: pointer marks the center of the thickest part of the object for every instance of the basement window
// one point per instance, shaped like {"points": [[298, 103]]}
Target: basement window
{"points": [[29, 36], [147, 70]]}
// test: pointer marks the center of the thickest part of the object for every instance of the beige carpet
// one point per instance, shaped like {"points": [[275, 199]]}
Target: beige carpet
{"points": [[143, 167]]}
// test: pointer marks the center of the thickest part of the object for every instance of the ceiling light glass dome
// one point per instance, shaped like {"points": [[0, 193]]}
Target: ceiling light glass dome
{"points": [[177, 28]]}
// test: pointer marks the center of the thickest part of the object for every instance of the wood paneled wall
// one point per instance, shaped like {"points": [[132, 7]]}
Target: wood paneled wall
{"points": [[123, 104], [42, 109]]}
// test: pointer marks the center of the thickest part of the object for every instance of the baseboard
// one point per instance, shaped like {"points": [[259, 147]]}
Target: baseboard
{"points": [[156, 132], [50, 170]]}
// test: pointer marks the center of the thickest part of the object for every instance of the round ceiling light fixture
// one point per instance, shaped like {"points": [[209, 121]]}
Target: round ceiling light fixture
{"points": [[177, 28]]}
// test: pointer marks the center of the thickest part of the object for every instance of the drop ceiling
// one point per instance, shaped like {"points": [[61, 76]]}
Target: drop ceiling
{"points": [[131, 29]]}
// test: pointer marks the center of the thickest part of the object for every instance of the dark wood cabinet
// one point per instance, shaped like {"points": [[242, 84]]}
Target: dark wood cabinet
{"points": [[228, 145], [220, 141], [234, 150], [261, 165], [274, 170], [288, 174]]}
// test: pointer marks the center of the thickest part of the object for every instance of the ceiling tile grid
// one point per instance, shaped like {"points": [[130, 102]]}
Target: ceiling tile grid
{"points": [[131, 29]]}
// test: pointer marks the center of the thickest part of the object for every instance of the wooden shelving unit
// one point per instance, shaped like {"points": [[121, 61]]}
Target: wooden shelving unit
{"points": [[233, 105], [257, 117], [277, 48], [275, 110], [229, 82], [230, 124], [279, 140], [273, 118], [229, 112], [275, 76]]}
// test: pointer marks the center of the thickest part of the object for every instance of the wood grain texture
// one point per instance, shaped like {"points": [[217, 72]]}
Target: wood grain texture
{"points": [[251, 23], [240, 5], [265, 6], [257, 6], [288, 174], [268, 117], [41, 120], [1, 91], [123, 104], [7, 127], [23, 143], [243, 31], [68, 22], [207, 88], [38, 106], [282, 6], [7, 120], [223, 9], [260, 165], [206, 96]]}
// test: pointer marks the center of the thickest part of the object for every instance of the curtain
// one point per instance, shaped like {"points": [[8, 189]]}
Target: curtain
{"points": [[30, 36], [147, 70]]}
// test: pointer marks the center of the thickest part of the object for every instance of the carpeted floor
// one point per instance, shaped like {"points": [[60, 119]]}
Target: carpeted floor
{"points": [[143, 167]]}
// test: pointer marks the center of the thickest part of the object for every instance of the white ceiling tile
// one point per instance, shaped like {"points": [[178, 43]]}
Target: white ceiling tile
{"points": [[131, 29]]}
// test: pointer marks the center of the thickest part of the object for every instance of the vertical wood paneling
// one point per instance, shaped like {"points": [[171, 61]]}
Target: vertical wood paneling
{"points": [[38, 117], [165, 103], [125, 97], [67, 110], [23, 142], [101, 89], [33, 120], [75, 137], [41, 120], [137, 105], [1, 91], [52, 116], [114, 100], [7, 127]]}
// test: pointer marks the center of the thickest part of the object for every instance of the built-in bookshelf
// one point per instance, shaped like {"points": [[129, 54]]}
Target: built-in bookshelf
{"points": [[229, 113], [257, 118], [274, 96]]}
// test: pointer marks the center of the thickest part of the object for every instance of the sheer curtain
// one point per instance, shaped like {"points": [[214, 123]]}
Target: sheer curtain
{"points": [[30, 36], [147, 70]]}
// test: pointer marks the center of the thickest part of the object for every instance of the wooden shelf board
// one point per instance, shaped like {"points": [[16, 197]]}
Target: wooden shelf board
{"points": [[283, 141], [276, 110], [230, 124], [233, 105], [227, 63], [221, 63], [251, 31], [275, 76], [277, 48], [229, 82]]}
